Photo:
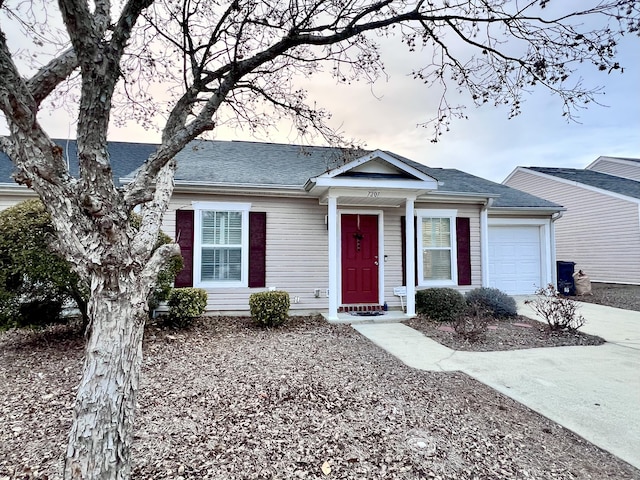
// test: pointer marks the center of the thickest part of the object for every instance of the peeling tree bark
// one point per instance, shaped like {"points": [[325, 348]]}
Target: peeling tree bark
{"points": [[101, 436], [249, 49]]}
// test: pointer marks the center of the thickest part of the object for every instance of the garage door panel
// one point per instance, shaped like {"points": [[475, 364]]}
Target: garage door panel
{"points": [[515, 258]]}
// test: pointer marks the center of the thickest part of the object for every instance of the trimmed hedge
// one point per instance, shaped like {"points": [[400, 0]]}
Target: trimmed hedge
{"points": [[185, 304], [270, 309], [441, 304], [498, 303]]}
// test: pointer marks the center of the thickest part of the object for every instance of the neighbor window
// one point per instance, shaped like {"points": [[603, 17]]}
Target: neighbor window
{"points": [[221, 237], [436, 247]]}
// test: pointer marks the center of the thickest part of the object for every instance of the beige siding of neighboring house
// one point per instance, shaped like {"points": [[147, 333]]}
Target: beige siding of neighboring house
{"points": [[297, 249], [11, 198], [619, 169], [599, 232]]}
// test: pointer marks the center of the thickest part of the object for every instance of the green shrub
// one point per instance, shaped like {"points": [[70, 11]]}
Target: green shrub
{"points": [[440, 304], [269, 309], [185, 304], [498, 303], [35, 282]]}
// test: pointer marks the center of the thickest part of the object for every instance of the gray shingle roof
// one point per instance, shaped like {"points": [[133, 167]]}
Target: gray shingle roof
{"points": [[272, 164], [626, 159], [125, 157], [611, 183], [456, 181], [256, 163]]}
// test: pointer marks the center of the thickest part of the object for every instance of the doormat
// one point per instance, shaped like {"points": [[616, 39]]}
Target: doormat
{"points": [[367, 314]]}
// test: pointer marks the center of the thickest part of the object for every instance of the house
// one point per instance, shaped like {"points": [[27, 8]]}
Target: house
{"points": [[600, 230], [330, 227]]}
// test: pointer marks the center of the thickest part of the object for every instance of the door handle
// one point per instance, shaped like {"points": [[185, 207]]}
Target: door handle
{"points": [[375, 263]]}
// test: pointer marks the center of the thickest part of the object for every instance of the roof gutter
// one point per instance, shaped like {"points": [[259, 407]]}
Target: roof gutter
{"points": [[241, 189], [517, 210]]}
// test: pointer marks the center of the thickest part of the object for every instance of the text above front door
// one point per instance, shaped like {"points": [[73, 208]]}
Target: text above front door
{"points": [[359, 258]]}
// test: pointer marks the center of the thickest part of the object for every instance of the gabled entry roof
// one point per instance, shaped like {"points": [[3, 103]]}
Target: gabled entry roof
{"points": [[379, 168]]}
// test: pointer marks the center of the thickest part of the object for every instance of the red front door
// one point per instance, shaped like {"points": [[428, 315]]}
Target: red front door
{"points": [[359, 258]]}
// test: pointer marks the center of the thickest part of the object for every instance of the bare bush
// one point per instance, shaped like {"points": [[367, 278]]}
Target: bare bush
{"points": [[560, 312], [473, 324]]}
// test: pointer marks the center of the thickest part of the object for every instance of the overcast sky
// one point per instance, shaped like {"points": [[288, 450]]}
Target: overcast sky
{"points": [[488, 144]]}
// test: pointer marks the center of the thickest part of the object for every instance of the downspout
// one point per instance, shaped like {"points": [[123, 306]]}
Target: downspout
{"points": [[555, 217], [484, 240]]}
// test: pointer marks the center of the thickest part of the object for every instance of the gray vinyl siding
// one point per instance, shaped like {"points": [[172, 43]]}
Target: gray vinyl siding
{"points": [[599, 232], [618, 169], [297, 249]]}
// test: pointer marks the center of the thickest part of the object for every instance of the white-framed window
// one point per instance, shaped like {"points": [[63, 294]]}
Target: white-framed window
{"points": [[221, 244], [437, 259]]}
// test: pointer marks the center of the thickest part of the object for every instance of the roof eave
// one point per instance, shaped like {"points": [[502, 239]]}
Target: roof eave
{"points": [[236, 189], [458, 196], [518, 210]]}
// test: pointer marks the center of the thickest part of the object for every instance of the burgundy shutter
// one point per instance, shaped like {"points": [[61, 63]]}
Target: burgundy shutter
{"points": [[257, 249], [463, 243], [184, 238]]}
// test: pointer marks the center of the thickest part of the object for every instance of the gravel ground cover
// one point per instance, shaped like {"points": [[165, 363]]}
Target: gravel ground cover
{"points": [[506, 334], [224, 400], [613, 295]]}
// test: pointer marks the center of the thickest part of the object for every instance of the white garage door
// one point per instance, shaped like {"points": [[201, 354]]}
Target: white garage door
{"points": [[515, 259]]}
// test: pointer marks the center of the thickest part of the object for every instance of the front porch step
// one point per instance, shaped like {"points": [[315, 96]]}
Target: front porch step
{"points": [[360, 308]]}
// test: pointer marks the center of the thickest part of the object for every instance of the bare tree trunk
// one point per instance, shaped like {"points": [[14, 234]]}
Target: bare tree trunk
{"points": [[102, 432]]}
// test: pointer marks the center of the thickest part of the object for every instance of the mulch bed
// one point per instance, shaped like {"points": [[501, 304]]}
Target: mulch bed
{"points": [[613, 295], [224, 400], [503, 334]]}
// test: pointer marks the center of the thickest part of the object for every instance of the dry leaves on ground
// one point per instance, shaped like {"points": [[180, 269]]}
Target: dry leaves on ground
{"points": [[503, 334], [227, 401]]}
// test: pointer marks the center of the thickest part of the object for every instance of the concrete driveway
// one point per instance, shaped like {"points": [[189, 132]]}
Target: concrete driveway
{"points": [[593, 391]]}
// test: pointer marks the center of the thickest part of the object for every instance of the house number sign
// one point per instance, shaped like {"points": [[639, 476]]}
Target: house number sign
{"points": [[371, 194]]}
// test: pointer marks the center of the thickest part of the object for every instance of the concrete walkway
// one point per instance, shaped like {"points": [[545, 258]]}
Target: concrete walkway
{"points": [[593, 391]]}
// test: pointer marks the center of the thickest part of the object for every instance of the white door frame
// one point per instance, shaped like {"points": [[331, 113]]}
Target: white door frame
{"points": [[380, 215]]}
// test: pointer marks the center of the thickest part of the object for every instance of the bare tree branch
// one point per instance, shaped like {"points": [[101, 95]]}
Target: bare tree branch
{"points": [[51, 75]]}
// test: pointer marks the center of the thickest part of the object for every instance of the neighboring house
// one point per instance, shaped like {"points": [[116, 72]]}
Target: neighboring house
{"points": [[329, 226], [600, 230]]}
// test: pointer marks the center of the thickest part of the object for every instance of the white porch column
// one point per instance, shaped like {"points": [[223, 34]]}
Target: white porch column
{"points": [[484, 245], [409, 254], [332, 224]]}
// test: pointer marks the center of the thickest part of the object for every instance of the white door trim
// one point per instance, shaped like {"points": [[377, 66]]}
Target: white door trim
{"points": [[338, 258]]}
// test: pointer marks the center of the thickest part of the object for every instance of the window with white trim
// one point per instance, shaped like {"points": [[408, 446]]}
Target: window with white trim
{"points": [[221, 244], [437, 262]]}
